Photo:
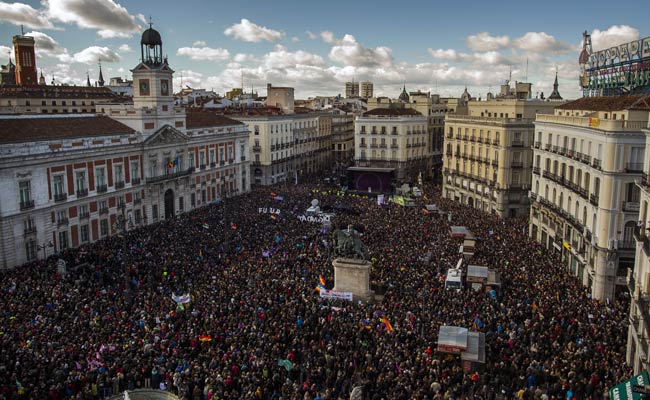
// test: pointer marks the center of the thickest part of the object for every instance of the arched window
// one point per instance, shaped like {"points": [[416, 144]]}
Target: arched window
{"points": [[584, 215]]}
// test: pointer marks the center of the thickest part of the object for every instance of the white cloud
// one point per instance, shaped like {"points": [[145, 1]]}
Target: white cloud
{"points": [[46, 46], [348, 51], [281, 58], [295, 39], [199, 43], [311, 35], [542, 42], [483, 41], [203, 53], [125, 48], [613, 36], [24, 14], [189, 78], [94, 54], [111, 20], [7, 52], [241, 57], [328, 37], [249, 32], [448, 54], [488, 57]]}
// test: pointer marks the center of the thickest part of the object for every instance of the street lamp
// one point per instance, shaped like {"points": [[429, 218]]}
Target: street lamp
{"points": [[121, 226], [43, 247]]}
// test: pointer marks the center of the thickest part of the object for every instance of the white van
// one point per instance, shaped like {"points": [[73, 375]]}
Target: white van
{"points": [[454, 279]]}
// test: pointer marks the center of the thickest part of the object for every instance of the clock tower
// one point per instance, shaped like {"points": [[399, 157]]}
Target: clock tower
{"points": [[152, 78]]}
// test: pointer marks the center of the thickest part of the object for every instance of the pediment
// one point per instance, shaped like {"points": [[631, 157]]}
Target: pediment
{"points": [[166, 135]]}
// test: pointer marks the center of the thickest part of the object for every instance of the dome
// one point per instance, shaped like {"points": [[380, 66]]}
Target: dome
{"points": [[151, 37]]}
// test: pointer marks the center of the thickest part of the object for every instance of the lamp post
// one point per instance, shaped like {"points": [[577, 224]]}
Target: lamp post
{"points": [[43, 247], [121, 226]]}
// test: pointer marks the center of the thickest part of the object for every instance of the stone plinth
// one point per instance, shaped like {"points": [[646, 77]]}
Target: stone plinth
{"points": [[353, 275]]}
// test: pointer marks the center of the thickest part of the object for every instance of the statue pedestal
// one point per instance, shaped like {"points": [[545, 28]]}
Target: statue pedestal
{"points": [[353, 275]]}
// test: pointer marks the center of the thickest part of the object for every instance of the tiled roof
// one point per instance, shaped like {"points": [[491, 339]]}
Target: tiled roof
{"points": [[62, 92], [200, 118], [610, 103], [391, 112], [17, 130]]}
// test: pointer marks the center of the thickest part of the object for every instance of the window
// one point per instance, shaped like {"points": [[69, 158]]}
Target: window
{"points": [[103, 227], [153, 167], [201, 158], [58, 185], [61, 216], [212, 156], [84, 233], [221, 154], [119, 175], [154, 212], [63, 240], [100, 176], [83, 210], [190, 156], [135, 171], [80, 179], [25, 191], [30, 250], [256, 129]]}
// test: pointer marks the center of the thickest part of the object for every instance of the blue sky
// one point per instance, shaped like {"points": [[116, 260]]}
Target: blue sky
{"points": [[317, 46]]}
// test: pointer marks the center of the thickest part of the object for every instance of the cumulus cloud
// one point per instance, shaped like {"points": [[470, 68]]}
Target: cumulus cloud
{"points": [[110, 19], [6, 51], [94, 54], [613, 36], [189, 78], [204, 53], [241, 57], [125, 48], [199, 43], [295, 39], [46, 46], [24, 14], [250, 32], [483, 41], [542, 42], [281, 58], [311, 35], [348, 51], [488, 57], [328, 37]]}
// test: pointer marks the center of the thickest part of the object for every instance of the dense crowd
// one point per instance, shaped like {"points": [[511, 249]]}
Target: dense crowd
{"points": [[255, 328]]}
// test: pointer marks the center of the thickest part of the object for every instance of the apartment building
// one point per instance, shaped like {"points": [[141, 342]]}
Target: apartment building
{"points": [[488, 156], [588, 156]]}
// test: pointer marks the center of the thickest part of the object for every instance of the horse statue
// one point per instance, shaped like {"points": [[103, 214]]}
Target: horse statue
{"points": [[347, 243]]}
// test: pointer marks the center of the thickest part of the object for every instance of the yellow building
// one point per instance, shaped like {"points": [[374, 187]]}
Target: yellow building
{"points": [[638, 339], [585, 203], [488, 156]]}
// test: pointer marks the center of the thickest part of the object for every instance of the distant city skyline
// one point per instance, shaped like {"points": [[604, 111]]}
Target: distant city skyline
{"points": [[316, 48]]}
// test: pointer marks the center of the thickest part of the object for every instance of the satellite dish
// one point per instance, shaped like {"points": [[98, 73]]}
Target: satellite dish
{"points": [[314, 202]]}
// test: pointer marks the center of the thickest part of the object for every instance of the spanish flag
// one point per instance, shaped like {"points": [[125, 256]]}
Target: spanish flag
{"points": [[205, 338], [321, 279], [273, 216], [273, 194], [233, 226], [386, 323]]}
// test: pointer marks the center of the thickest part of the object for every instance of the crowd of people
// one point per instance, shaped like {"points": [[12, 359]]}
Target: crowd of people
{"points": [[255, 327]]}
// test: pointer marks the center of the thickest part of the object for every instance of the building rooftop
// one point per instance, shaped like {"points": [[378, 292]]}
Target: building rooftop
{"points": [[49, 91], [198, 119], [31, 129], [392, 112], [610, 103]]}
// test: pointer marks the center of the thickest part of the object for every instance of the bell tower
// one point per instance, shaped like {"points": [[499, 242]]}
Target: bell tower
{"points": [[25, 60], [152, 78]]}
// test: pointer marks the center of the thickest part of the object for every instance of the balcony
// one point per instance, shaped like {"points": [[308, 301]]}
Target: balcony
{"points": [[593, 199], [634, 167], [547, 174], [536, 170], [631, 206], [30, 230], [537, 145], [135, 181], [103, 210], [203, 167], [137, 201], [495, 163], [395, 133], [584, 158], [583, 193], [82, 192], [119, 185], [517, 143], [213, 164], [26, 205], [496, 142], [174, 175], [60, 197], [102, 188], [84, 215], [257, 148], [548, 147], [62, 221], [516, 164], [571, 153], [562, 151], [479, 139], [626, 244], [222, 163], [394, 146], [231, 160], [556, 149], [242, 158], [472, 139], [373, 132], [618, 125], [597, 164]]}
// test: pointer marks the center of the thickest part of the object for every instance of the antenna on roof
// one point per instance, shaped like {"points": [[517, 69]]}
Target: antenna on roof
{"points": [[150, 22], [22, 30], [181, 80], [510, 75]]}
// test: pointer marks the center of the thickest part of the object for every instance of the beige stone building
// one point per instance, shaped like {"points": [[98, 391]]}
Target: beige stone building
{"points": [[488, 156], [366, 90], [638, 280], [280, 97], [285, 147], [342, 139], [585, 203]]}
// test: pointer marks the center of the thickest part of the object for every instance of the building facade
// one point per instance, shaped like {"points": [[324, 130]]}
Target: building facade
{"points": [[585, 203], [285, 147], [395, 139], [67, 179], [50, 99], [366, 90], [351, 89], [488, 156], [638, 279], [342, 140]]}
